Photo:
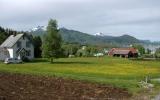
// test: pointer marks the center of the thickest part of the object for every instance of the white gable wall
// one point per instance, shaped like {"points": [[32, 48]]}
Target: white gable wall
{"points": [[10, 52], [23, 45]]}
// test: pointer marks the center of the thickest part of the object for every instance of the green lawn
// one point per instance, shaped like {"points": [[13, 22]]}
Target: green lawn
{"points": [[113, 71]]}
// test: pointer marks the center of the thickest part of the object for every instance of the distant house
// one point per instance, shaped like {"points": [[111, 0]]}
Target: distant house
{"points": [[123, 52], [17, 46], [98, 55]]}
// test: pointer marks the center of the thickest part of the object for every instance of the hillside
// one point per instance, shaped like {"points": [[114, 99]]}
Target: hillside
{"points": [[84, 38]]}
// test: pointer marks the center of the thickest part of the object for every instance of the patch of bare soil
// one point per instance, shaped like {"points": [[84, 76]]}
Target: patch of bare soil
{"points": [[29, 87]]}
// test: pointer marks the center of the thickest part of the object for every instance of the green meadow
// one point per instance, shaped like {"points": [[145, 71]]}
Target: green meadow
{"points": [[118, 72]]}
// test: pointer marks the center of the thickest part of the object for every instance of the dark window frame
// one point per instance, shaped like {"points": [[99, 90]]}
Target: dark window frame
{"points": [[28, 44], [28, 53], [19, 44]]}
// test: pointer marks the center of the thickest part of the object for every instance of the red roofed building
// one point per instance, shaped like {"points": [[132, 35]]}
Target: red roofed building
{"points": [[123, 52]]}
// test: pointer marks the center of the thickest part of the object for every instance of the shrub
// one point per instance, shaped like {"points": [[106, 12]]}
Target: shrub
{"points": [[25, 59], [157, 55]]}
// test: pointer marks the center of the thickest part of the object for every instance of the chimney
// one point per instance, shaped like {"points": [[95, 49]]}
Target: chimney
{"points": [[14, 33]]}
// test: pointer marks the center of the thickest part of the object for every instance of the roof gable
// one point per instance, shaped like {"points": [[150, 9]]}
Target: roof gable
{"points": [[11, 40], [122, 51]]}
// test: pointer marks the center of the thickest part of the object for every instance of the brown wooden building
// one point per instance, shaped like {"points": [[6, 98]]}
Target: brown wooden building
{"points": [[123, 52]]}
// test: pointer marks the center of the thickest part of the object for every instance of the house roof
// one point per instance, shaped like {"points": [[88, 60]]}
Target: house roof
{"points": [[11, 40], [133, 50], [122, 51]]}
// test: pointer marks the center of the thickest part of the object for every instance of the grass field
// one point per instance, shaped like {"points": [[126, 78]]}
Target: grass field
{"points": [[118, 72]]}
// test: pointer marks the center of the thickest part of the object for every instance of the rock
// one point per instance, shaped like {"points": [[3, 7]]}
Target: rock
{"points": [[146, 85]]}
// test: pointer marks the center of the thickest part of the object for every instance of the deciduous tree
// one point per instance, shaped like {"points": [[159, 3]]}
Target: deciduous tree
{"points": [[51, 47]]}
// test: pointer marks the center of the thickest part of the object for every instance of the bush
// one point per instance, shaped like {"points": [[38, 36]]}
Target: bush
{"points": [[157, 55], [25, 59]]}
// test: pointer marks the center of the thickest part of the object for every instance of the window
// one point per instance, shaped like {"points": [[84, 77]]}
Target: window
{"points": [[15, 59], [19, 45], [6, 52], [23, 37], [28, 44], [28, 53]]}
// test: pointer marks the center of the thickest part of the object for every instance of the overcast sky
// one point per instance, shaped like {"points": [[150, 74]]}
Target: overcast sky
{"points": [[139, 18]]}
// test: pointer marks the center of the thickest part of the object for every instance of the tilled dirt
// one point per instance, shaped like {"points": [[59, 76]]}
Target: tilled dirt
{"points": [[29, 87]]}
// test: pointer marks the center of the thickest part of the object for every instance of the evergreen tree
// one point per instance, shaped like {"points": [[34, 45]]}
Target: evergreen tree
{"points": [[51, 46], [3, 35], [37, 46]]}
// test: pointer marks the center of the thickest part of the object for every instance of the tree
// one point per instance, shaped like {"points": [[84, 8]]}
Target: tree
{"points": [[70, 49], [157, 53], [148, 51], [140, 48], [92, 50], [51, 46], [3, 35], [37, 46]]}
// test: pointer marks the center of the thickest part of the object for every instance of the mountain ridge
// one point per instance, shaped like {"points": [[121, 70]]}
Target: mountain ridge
{"points": [[73, 36]]}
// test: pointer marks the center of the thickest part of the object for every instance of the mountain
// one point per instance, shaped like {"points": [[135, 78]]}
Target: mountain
{"points": [[99, 34], [73, 36], [38, 28]]}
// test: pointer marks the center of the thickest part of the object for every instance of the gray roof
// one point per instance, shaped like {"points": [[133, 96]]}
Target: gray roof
{"points": [[11, 40]]}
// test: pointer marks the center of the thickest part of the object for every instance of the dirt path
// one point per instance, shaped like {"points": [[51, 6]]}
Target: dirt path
{"points": [[27, 87]]}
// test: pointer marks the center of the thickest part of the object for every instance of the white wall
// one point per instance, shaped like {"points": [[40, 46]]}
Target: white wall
{"points": [[23, 45], [10, 52], [3, 55]]}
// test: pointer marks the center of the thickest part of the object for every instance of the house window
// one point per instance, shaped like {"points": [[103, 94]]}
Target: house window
{"points": [[5, 52], [23, 37], [28, 53], [28, 44], [19, 44]]}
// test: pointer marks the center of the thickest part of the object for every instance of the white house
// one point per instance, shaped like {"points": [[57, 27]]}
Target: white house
{"points": [[17, 46]]}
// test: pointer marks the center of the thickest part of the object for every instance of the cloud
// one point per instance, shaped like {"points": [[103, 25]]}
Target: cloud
{"points": [[140, 18]]}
